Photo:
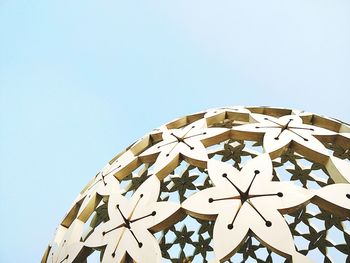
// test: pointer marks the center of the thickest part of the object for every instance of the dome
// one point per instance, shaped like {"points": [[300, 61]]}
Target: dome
{"points": [[232, 184]]}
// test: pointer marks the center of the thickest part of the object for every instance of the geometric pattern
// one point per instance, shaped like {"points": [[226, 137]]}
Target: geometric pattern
{"points": [[233, 184]]}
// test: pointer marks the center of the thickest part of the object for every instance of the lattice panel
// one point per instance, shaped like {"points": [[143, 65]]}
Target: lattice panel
{"points": [[235, 184]]}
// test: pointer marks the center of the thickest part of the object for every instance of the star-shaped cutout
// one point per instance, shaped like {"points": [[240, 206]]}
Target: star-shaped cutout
{"points": [[202, 246], [279, 132], [248, 200], [187, 144], [131, 221], [183, 237]]}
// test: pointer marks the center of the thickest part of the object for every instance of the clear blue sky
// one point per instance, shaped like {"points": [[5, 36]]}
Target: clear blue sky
{"points": [[81, 80]]}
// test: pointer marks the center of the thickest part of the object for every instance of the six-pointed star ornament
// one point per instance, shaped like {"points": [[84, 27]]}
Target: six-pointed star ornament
{"points": [[248, 201], [131, 221], [187, 143], [279, 132]]}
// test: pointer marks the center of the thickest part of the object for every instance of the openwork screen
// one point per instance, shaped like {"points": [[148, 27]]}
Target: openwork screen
{"points": [[235, 184]]}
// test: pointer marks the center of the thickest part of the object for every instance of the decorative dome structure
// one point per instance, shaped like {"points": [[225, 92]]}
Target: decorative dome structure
{"points": [[234, 184]]}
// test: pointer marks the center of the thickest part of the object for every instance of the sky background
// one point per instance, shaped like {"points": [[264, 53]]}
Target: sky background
{"points": [[81, 80]]}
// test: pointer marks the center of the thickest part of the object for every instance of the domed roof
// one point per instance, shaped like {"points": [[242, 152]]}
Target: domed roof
{"points": [[229, 184]]}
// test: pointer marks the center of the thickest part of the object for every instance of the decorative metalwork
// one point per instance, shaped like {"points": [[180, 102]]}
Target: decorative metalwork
{"points": [[232, 184]]}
